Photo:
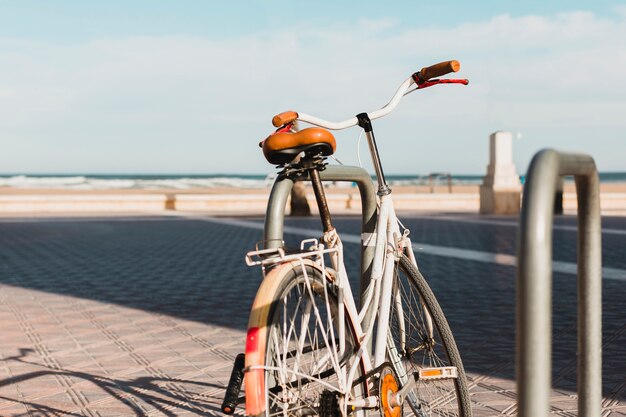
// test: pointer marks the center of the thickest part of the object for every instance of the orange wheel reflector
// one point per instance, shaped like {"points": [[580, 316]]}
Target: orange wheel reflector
{"points": [[389, 386]]}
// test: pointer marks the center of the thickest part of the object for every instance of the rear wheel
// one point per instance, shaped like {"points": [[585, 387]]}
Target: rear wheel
{"points": [[303, 356], [420, 338]]}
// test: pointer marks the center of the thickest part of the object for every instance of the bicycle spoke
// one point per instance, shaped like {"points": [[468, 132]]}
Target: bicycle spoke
{"points": [[302, 358], [423, 348]]}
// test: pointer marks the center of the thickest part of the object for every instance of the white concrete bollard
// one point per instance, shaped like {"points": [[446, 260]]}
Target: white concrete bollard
{"points": [[500, 192]]}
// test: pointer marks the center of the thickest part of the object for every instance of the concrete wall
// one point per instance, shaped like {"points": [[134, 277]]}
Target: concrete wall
{"points": [[81, 203], [255, 204], [348, 202]]}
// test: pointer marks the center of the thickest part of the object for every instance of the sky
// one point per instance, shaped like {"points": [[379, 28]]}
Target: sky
{"points": [[191, 86]]}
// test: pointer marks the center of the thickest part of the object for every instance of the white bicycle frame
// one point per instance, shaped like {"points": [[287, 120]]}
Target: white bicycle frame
{"points": [[389, 243]]}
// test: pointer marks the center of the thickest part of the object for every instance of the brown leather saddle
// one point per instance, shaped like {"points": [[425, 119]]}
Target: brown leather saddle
{"points": [[283, 146]]}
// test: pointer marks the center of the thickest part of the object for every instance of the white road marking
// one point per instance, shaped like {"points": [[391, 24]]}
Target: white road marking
{"points": [[494, 222]]}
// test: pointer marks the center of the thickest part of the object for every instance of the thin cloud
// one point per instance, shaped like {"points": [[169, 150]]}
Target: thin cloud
{"points": [[377, 25], [527, 73]]}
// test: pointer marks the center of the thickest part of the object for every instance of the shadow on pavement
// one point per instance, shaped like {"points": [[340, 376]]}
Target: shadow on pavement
{"points": [[136, 395]]}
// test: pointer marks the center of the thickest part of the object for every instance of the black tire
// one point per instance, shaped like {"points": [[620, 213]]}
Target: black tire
{"points": [[288, 304], [436, 397]]}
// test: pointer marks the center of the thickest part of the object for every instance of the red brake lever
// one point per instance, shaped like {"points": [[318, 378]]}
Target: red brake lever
{"points": [[430, 83]]}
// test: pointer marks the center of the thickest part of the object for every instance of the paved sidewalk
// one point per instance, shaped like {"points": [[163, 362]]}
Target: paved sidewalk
{"points": [[64, 355], [140, 316]]}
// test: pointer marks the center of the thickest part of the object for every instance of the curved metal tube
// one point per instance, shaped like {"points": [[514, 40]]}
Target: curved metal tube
{"points": [[534, 283], [275, 214]]}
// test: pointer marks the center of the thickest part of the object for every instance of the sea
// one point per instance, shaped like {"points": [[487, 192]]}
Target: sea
{"points": [[189, 181]]}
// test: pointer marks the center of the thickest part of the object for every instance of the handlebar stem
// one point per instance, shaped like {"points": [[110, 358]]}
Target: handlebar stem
{"points": [[366, 124]]}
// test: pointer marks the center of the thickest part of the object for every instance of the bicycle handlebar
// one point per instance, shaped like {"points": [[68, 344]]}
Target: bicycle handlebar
{"points": [[284, 118], [436, 70], [418, 78], [353, 121]]}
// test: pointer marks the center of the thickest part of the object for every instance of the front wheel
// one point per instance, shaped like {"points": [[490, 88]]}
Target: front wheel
{"points": [[420, 338]]}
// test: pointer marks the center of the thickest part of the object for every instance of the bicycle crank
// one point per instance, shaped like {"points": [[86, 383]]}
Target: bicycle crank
{"points": [[425, 375]]}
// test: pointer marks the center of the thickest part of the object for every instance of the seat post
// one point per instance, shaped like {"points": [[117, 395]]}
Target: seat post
{"points": [[320, 197]]}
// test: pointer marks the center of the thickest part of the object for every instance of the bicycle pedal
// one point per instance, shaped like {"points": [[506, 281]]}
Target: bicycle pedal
{"points": [[442, 372], [231, 398]]}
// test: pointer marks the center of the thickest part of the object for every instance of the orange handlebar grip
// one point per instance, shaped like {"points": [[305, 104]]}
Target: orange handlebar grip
{"points": [[439, 69], [284, 118]]}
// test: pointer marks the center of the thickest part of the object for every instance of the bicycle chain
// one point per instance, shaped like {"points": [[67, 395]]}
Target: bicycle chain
{"points": [[371, 373]]}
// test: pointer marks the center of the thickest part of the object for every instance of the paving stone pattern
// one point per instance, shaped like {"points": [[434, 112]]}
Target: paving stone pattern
{"points": [[144, 316], [498, 238]]}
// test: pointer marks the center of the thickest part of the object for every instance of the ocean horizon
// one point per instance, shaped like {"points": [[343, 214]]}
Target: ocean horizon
{"points": [[83, 181]]}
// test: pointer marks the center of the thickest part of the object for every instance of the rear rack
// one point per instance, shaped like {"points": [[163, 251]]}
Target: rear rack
{"points": [[266, 257]]}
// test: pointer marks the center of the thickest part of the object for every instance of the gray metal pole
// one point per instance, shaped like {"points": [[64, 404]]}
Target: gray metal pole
{"points": [[275, 214], [589, 296], [534, 284], [534, 287]]}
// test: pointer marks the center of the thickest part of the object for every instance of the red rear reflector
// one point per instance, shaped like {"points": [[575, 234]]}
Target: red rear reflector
{"points": [[252, 340]]}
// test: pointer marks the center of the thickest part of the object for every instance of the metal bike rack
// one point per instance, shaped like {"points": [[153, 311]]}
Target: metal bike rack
{"points": [[275, 215], [534, 283]]}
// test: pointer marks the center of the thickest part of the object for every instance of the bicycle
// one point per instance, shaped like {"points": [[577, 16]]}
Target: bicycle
{"points": [[309, 349]]}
